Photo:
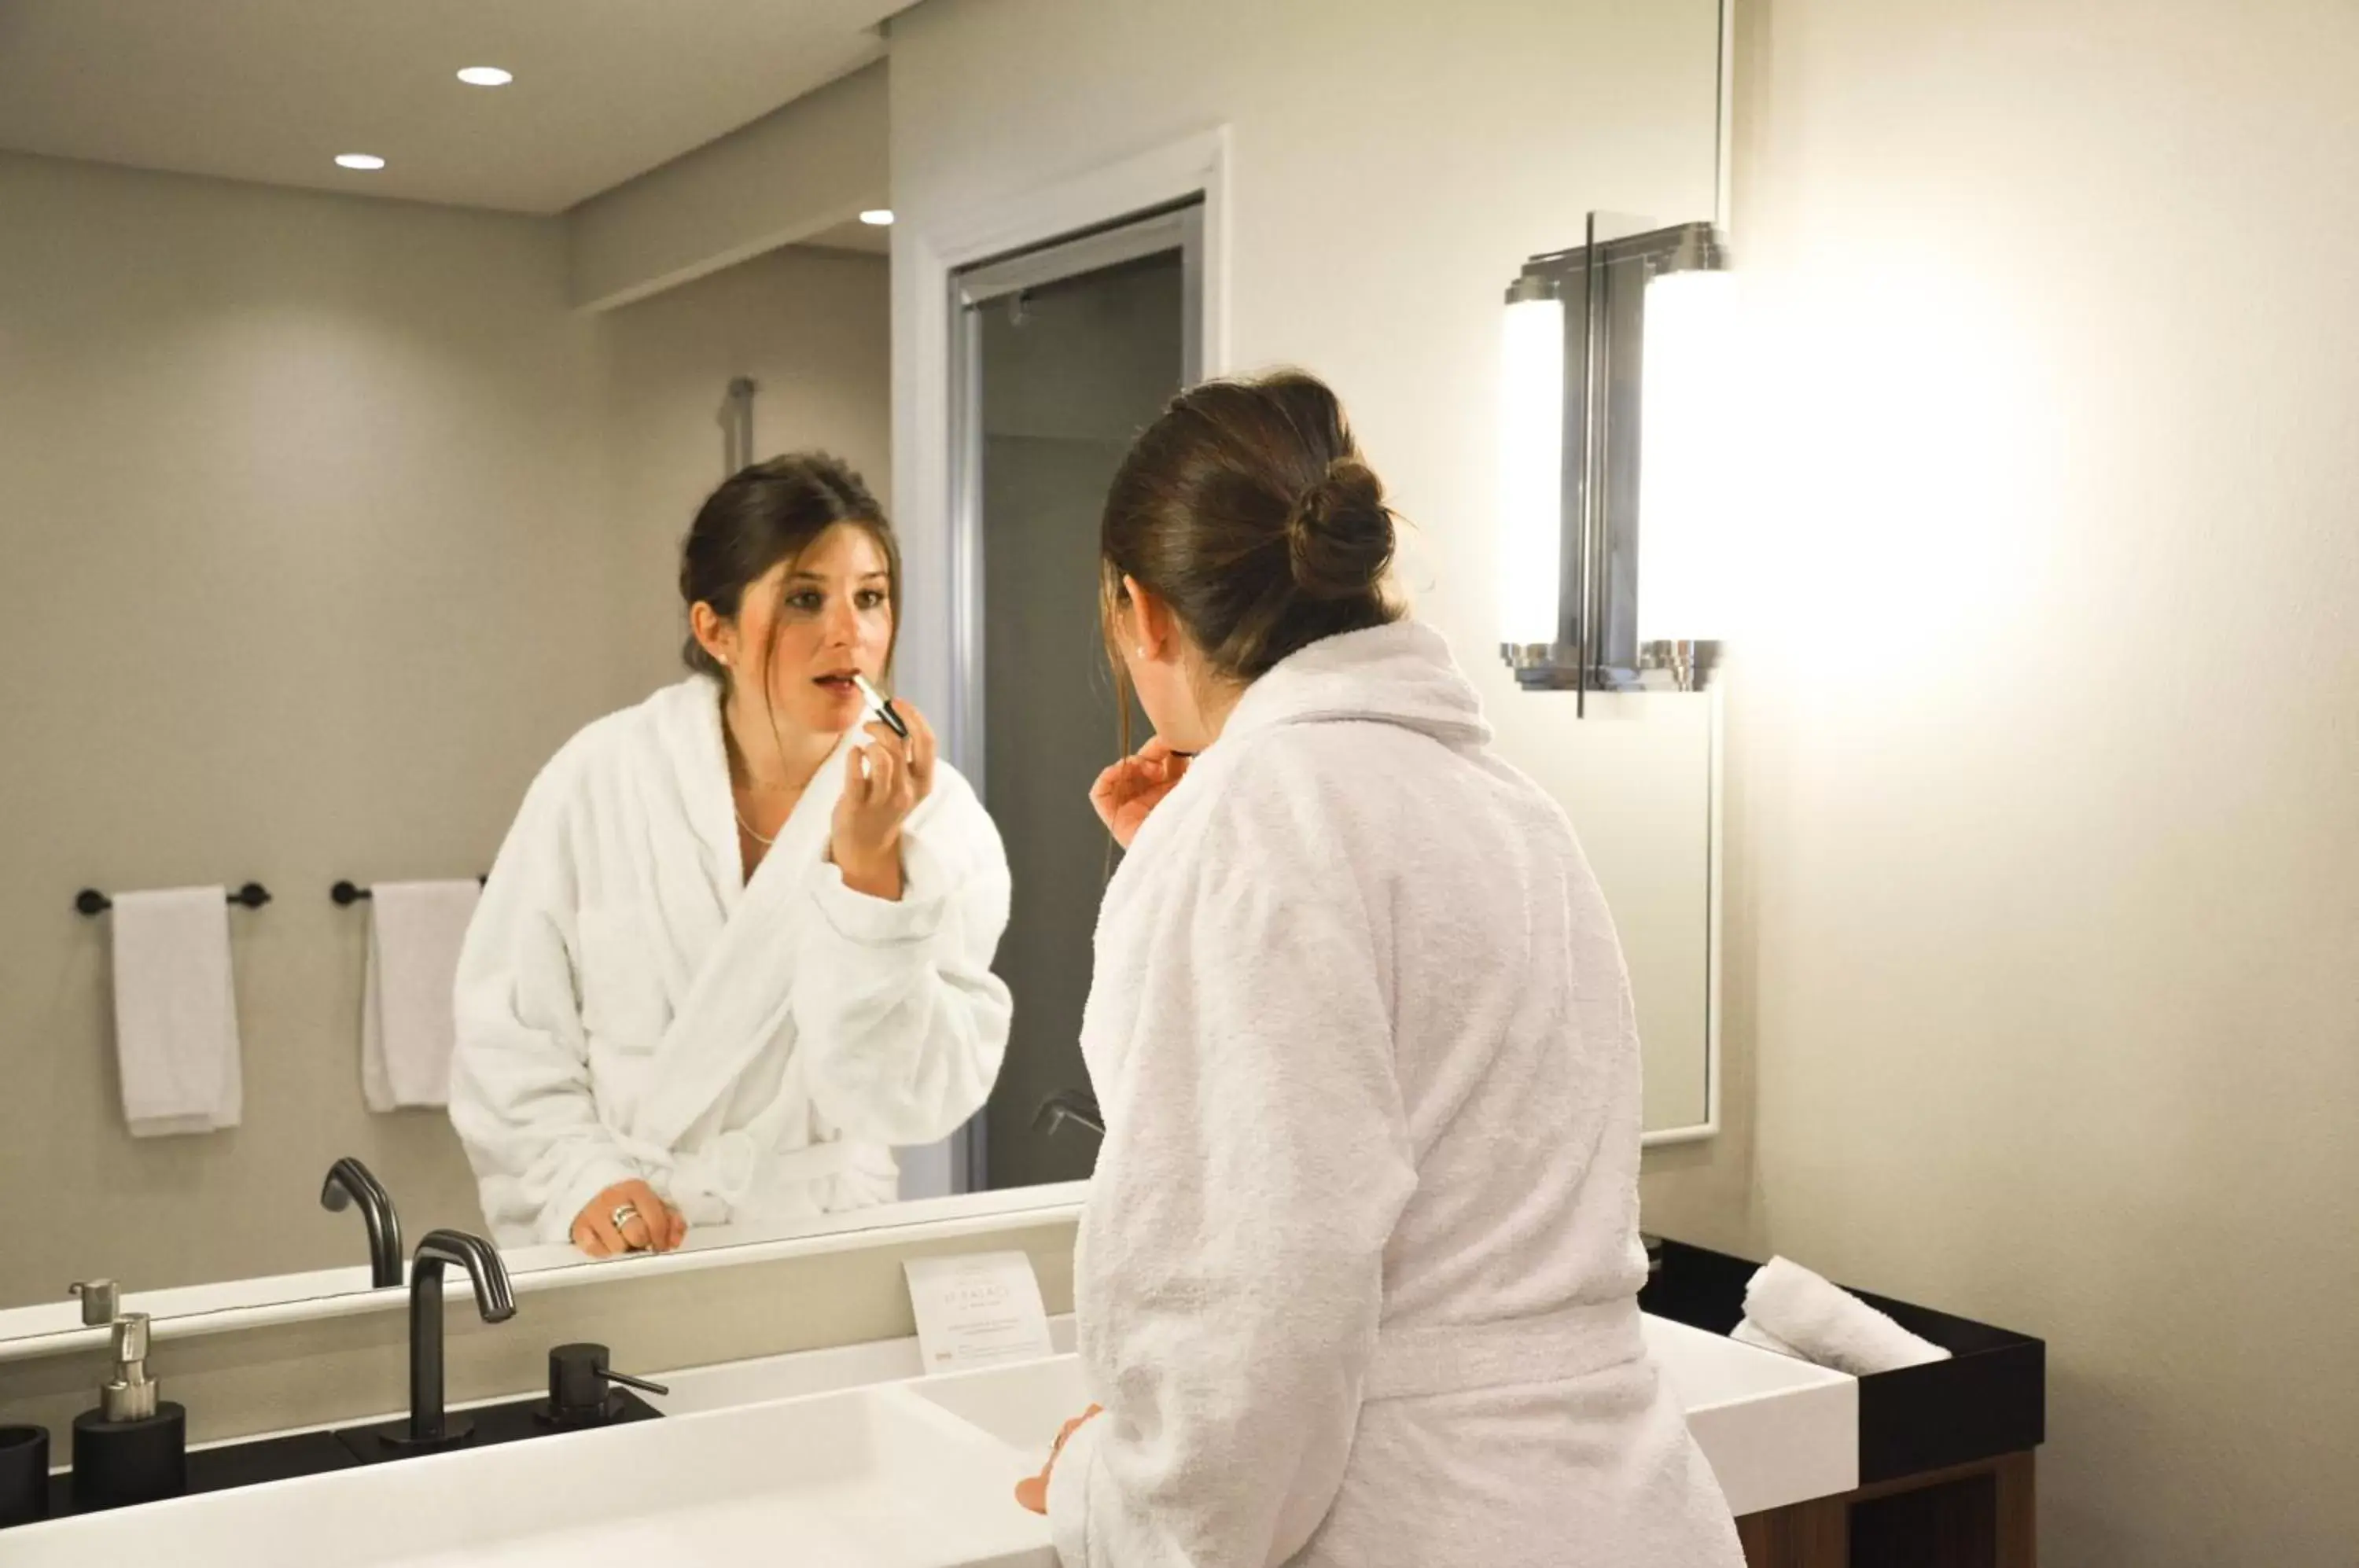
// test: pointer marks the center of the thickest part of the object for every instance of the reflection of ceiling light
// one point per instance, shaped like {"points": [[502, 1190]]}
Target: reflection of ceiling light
{"points": [[878, 217], [485, 76], [358, 161]]}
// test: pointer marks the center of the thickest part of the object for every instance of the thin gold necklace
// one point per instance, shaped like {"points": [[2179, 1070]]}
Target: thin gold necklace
{"points": [[740, 811]]}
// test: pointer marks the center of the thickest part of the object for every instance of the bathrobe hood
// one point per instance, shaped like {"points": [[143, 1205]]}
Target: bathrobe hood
{"points": [[1401, 674]]}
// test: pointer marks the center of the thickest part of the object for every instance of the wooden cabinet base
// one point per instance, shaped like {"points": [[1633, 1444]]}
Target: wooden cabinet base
{"points": [[1976, 1516], [1816, 1535]]}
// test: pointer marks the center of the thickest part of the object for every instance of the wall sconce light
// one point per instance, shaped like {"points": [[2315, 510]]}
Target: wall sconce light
{"points": [[1531, 467], [1613, 432]]}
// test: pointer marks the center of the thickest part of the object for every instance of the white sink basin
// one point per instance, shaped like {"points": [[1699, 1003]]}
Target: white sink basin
{"points": [[1778, 1431], [869, 1476], [1023, 1407], [892, 1474]]}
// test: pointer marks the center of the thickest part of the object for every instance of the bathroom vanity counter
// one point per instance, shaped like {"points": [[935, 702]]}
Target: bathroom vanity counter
{"points": [[1945, 1449], [857, 1463], [873, 1475]]}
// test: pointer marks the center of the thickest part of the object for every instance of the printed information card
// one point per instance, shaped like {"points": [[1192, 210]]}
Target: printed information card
{"points": [[982, 1310]]}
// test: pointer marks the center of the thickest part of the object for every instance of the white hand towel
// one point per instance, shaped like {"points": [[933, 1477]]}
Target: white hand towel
{"points": [[416, 930], [1829, 1324], [175, 1012], [1759, 1338]]}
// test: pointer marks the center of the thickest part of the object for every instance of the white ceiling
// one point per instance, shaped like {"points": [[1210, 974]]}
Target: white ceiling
{"points": [[273, 89]]}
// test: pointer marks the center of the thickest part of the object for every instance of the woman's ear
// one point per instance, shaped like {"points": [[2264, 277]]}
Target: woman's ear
{"points": [[714, 633], [1149, 623]]}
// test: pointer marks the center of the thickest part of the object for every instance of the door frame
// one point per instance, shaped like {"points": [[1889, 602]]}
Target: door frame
{"points": [[941, 659], [1180, 229], [971, 289], [941, 644]]}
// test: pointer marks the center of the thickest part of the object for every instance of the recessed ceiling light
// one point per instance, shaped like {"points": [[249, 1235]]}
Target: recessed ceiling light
{"points": [[358, 161], [485, 76], [878, 217]]}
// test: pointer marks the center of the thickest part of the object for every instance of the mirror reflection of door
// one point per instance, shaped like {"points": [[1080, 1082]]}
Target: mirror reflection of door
{"points": [[1068, 350]]}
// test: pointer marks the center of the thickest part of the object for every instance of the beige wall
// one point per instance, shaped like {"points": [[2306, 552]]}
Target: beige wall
{"points": [[326, 521], [2046, 878], [1393, 165], [816, 163], [811, 328], [303, 508]]}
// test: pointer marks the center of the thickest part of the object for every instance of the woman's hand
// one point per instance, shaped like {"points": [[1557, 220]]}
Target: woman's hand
{"points": [[1127, 791], [884, 780], [654, 1226], [1032, 1492]]}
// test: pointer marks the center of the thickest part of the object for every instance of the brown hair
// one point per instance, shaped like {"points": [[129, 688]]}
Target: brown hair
{"points": [[770, 512], [1247, 507]]}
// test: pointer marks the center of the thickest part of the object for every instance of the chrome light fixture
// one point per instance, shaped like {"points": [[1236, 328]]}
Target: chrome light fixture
{"points": [[1613, 425], [1531, 469]]}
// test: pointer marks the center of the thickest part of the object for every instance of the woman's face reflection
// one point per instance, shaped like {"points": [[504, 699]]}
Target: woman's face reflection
{"points": [[807, 625]]}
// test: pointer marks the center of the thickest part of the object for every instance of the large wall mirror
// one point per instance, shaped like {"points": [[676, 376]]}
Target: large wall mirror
{"points": [[352, 419]]}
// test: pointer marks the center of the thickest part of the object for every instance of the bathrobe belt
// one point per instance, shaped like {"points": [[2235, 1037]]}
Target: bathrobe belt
{"points": [[1413, 1361]]}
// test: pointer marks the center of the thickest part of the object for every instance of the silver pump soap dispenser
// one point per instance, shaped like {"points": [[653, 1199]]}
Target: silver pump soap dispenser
{"points": [[134, 1448]]}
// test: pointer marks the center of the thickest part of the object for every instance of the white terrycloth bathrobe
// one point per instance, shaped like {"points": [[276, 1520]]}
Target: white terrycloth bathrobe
{"points": [[1357, 1277], [630, 1006]]}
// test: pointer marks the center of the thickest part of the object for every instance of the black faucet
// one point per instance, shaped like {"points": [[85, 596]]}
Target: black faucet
{"points": [[430, 1428], [350, 1181]]}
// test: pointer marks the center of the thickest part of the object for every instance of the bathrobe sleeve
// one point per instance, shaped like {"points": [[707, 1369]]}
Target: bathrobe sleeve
{"points": [[1230, 1266], [520, 1086], [901, 1022]]}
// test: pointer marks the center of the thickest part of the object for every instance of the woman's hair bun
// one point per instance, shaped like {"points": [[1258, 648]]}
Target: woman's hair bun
{"points": [[1339, 537], [1248, 509]]}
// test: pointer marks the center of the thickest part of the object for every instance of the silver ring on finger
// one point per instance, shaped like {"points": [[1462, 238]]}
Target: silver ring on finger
{"points": [[624, 1214]]}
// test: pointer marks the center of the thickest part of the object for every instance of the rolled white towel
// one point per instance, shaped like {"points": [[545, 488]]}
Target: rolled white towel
{"points": [[1829, 1325], [1759, 1338]]}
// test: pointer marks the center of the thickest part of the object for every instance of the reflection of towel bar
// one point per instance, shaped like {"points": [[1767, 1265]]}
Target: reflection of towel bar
{"points": [[93, 902], [1077, 1105], [349, 893]]}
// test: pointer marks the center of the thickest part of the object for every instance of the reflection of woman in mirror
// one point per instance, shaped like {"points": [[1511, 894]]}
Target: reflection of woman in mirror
{"points": [[738, 942], [1358, 1274]]}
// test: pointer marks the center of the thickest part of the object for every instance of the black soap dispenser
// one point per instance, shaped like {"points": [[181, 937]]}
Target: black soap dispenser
{"points": [[134, 1448], [582, 1392], [24, 1475]]}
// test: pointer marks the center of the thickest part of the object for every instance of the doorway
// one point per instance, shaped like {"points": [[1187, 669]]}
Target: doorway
{"points": [[1062, 354]]}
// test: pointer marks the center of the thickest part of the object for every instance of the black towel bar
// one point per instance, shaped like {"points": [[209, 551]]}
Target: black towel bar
{"points": [[90, 901], [348, 893]]}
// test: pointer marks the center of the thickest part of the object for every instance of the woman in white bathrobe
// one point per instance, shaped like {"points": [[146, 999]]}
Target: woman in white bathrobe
{"points": [[1357, 1278], [736, 945]]}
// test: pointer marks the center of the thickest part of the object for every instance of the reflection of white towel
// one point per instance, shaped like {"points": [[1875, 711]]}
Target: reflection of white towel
{"points": [[1759, 1338], [1829, 1324], [174, 1013], [416, 930]]}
